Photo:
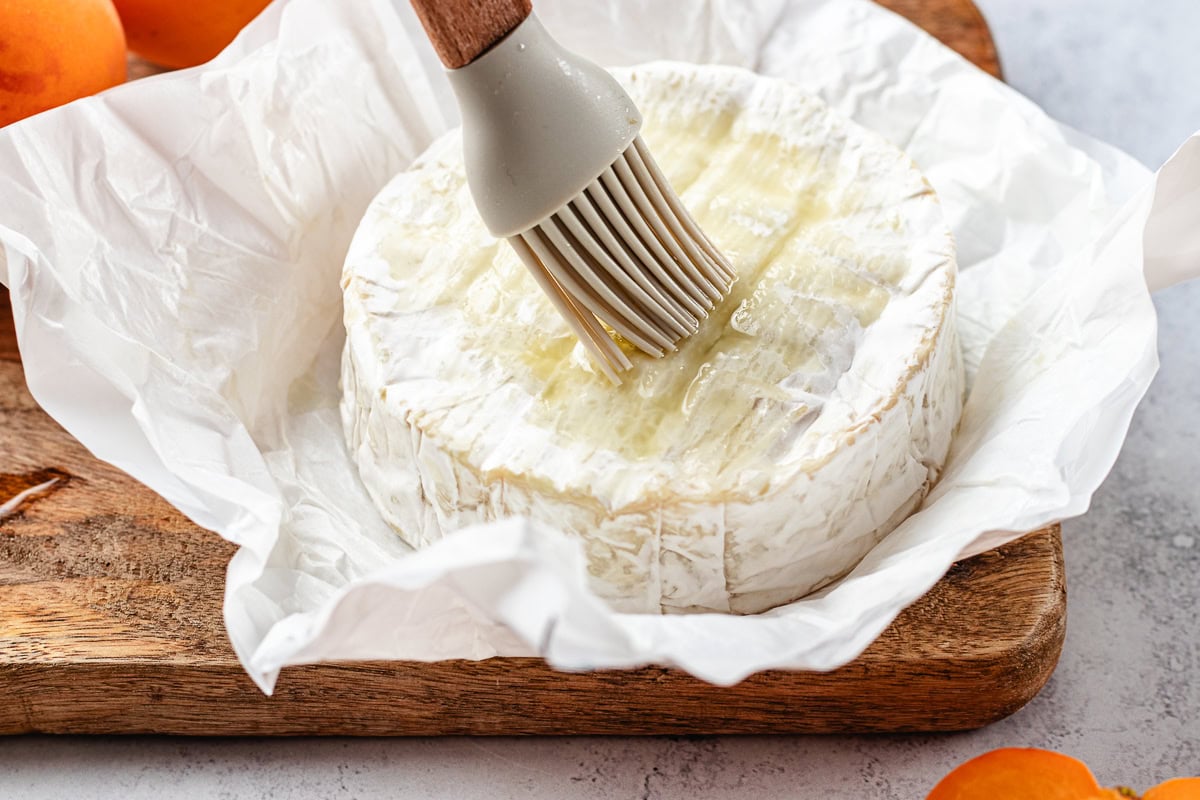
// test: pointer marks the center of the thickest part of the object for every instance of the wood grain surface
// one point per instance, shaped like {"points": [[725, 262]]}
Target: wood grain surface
{"points": [[110, 619]]}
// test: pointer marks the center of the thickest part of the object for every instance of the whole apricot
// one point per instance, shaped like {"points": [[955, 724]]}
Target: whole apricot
{"points": [[1026, 773], [55, 51], [1175, 789], [184, 33], [1013, 773]]}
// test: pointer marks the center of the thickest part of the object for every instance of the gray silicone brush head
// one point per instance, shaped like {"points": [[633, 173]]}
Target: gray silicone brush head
{"points": [[555, 165], [539, 124]]}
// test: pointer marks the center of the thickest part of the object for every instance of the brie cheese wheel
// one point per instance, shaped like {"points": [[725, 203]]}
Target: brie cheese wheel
{"points": [[807, 418]]}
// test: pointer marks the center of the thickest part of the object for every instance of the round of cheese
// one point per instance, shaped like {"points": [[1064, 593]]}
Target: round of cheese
{"points": [[806, 419]]}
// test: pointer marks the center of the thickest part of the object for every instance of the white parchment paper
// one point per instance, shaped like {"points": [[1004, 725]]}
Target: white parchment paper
{"points": [[173, 249]]}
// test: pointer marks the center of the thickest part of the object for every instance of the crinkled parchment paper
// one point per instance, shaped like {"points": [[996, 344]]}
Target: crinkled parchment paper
{"points": [[174, 246]]}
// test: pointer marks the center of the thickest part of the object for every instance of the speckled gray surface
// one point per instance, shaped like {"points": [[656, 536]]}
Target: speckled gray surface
{"points": [[1126, 696]]}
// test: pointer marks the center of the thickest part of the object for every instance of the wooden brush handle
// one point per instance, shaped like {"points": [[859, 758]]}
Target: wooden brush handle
{"points": [[461, 30]]}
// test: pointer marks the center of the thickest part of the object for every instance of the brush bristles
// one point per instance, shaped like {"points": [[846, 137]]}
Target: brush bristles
{"points": [[626, 254]]}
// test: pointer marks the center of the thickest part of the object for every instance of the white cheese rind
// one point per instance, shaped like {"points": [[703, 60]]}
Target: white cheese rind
{"points": [[748, 481]]}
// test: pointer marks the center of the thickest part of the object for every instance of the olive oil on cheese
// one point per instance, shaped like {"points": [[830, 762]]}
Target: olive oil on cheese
{"points": [[788, 330]]}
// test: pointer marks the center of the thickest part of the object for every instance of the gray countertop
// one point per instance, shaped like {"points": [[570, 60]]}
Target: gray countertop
{"points": [[1125, 698]]}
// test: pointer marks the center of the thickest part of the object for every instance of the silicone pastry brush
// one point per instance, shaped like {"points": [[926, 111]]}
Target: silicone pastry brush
{"points": [[556, 166]]}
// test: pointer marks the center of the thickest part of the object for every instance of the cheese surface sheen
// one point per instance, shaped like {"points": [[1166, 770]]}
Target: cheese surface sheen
{"points": [[805, 420]]}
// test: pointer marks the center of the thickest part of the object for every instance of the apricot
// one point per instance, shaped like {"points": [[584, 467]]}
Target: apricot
{"points": [[1018, 772], [1175, 789], [184, 33], [1026, 773], [55, 51]]}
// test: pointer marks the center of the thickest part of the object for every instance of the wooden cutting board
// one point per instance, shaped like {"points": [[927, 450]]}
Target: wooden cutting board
{"points": [[110, 618]]}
